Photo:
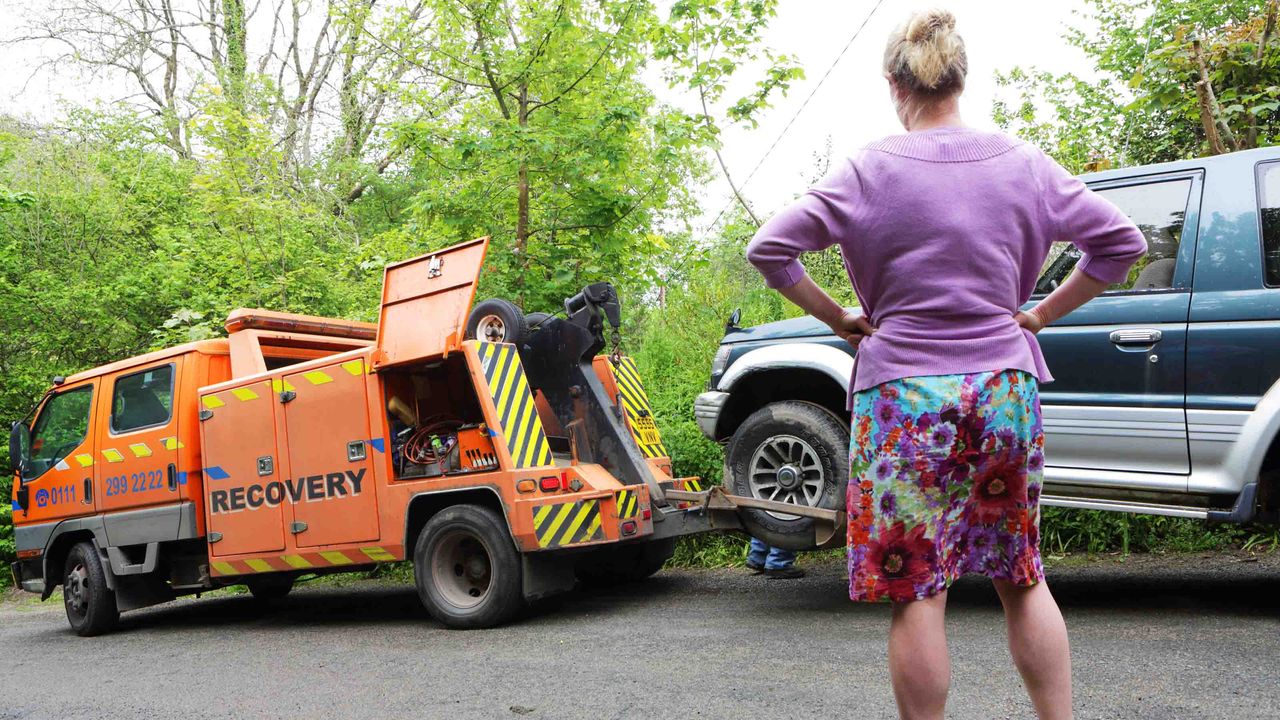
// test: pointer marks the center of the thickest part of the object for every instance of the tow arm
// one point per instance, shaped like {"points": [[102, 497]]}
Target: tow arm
{"points": [[558, 362]]}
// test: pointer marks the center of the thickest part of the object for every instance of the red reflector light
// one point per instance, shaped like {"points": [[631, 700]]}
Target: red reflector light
{"points": [[549, 484], [646, 515], [629, 527], [24, 554]]}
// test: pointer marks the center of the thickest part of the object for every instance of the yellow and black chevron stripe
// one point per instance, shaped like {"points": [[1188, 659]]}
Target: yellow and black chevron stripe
{"points": [[627, 503], [636, 404], [693, 485], [559, 524], [518, 418]]}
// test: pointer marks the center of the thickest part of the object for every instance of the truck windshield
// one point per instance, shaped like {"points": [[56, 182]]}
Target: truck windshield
{"points": [[59, 429]]}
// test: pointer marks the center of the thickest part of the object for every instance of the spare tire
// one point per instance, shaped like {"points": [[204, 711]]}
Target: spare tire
{"points": [[535, 319], [789, 451], [496, 320]]}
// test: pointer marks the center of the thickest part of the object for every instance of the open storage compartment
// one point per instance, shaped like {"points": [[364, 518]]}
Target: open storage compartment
{"points": [[436, 420]]}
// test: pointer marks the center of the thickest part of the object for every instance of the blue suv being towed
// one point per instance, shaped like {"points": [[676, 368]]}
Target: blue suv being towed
{"points": [[1167, 391]]}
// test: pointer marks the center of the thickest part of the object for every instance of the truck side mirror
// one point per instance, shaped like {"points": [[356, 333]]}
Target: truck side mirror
{"points": [[19, 447]]}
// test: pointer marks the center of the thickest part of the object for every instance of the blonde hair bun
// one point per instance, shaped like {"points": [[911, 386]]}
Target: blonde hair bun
{"points": [[926, 25], [926, 55]]}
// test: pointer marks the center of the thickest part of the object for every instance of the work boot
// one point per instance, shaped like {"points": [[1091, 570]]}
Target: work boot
{"points": [[754, 568], [791, 572]]}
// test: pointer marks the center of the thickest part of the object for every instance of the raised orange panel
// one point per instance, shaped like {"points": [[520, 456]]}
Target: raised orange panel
{"points": [[331, 455], [425, 303], [244, 495]]}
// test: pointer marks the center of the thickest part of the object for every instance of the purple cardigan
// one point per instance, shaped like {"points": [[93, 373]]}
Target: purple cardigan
{"points": [[944, 233]]}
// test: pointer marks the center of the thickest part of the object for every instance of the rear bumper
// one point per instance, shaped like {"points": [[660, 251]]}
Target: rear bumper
{"points": [[706, 410]]}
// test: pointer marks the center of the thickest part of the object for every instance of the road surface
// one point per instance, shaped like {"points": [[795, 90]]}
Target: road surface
{"points": [[1193, 636]]}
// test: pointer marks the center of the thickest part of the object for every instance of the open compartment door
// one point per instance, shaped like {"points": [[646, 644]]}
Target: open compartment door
{"points": [[425, 302]]}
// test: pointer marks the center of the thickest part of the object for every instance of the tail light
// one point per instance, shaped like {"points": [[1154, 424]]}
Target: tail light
{"points": [[629, 527], [550, 484]]}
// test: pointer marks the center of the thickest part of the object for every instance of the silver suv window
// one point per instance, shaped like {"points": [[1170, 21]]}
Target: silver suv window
{"points": [[1159, 210]]}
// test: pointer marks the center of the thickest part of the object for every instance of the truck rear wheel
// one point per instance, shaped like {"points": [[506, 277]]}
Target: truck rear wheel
{"points": [[790, 451], [467, 569], [628, 563], [90, 604]]}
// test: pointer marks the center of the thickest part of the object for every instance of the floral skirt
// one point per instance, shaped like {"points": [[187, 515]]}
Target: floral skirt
{"points": [[945, 480]]}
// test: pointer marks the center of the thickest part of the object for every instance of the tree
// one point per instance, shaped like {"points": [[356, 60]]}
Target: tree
{"points": [[706, 42], [1174, 80], [305, 58]]}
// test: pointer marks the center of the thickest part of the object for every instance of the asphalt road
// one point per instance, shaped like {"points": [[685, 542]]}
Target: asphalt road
{"points": [[1184, 637]]}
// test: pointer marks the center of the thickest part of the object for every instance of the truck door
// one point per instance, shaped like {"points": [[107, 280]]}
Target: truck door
{"points": [[241, 469], [330, 455], [59, 481], [138, 445], [1119, 362]]}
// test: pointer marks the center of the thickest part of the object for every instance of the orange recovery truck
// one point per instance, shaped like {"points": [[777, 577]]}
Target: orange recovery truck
{"points": [[503, 454]]}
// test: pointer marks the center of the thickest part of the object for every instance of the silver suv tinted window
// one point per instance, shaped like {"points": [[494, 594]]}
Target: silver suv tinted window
{"points": [[1158, 209]]}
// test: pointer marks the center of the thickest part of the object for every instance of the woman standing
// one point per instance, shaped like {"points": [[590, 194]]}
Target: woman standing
{"points": [[944, 231]]}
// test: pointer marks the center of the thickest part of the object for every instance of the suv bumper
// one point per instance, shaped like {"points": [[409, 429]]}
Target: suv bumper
{"points": [[706, 410]]}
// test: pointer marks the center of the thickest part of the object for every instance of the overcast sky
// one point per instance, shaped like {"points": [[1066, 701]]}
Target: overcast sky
{"points": [[850, 109]]}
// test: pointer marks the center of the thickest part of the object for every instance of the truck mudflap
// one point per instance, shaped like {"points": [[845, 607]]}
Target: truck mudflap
{"points": [[715, 510]]}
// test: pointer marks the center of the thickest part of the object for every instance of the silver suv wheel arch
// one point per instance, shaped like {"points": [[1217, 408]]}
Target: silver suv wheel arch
{"points": [[834, 363]]}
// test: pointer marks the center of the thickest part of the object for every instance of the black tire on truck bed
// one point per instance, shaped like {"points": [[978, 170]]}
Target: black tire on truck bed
{"points": [[809, 440], [497, 320]]}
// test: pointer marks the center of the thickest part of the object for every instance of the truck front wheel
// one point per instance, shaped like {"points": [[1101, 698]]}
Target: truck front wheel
{"points": [[467, 569], [91, 605]]}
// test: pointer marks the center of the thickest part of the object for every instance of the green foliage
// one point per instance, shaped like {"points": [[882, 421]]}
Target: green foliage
{"points": [[1142, 106]]}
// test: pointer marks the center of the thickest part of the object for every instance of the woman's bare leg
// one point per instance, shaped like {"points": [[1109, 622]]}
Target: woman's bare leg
{"points": [[918, 661], [1038, 643]]}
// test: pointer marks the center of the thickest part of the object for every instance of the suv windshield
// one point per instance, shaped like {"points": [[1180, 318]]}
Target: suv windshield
{"points": [[60, 428]]}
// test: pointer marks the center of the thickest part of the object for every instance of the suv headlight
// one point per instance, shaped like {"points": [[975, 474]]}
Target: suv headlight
{"points": [[720, 361]]}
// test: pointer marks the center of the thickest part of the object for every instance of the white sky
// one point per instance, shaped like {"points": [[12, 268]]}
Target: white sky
{"points": [[851, 108]]}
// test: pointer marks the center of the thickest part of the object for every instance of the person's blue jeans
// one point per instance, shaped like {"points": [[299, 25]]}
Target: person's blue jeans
{"points": [[771, 558]]}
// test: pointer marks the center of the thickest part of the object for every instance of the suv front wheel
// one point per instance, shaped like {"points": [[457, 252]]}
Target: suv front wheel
{"points": [[795, 452]]}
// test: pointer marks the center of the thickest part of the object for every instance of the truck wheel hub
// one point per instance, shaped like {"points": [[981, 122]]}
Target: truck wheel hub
{"points": [[788, 477], [75, 589], [461, 569], [492, 328]]}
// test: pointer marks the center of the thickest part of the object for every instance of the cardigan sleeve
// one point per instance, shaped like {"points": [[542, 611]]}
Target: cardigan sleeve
{"points": [[820, 218], [1109, 240]]}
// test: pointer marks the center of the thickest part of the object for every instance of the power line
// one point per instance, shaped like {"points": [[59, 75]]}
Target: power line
{"points": [[799, 110]]}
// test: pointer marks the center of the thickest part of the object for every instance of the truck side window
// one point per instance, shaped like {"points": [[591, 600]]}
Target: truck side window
{"points": [[1269, 204], [1158, 209], [60, 428], [143, 399]]}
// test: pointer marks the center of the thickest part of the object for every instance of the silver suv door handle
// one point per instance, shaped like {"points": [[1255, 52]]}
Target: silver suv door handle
{"points": [[1136, 337]]}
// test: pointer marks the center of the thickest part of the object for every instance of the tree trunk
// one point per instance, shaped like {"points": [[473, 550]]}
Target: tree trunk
{"points": [[237, 50], [522, 198]]}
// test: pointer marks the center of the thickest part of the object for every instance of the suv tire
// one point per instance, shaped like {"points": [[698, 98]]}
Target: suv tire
{"points": [[790, 451]]}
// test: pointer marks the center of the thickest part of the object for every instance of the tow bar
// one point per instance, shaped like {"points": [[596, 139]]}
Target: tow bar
{"points": [[714, 509]]}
